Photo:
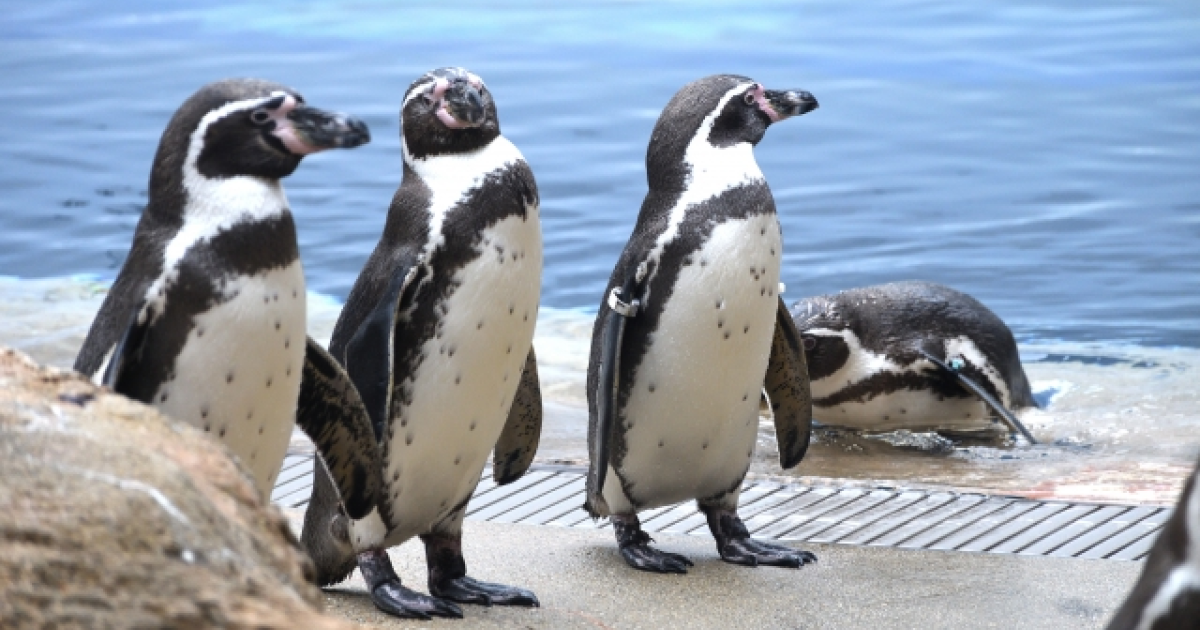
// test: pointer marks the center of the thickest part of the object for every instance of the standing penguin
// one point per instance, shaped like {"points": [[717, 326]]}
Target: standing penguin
{"points": [[437, 334], [206, 319], [1167, 595], [692, 329], [911, 355]]}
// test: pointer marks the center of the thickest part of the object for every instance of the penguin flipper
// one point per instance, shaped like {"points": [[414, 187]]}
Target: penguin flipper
{"points": [[788, 390], [975, 388], [331, 412], [128, 350], [519, 440], [370, 353], [600, 440]]}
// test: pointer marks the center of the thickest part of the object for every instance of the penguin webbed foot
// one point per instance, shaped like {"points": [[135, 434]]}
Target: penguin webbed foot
{"points": [[396, 599], [646, 558], [634, 544], [392, 597], [753, 553], [468, 590], [737, 547]]}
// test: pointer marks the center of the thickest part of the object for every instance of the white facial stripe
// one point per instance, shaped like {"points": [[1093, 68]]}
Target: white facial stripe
{"points": [[417, 90], [965, 348], [214, 205], [714, 170]]}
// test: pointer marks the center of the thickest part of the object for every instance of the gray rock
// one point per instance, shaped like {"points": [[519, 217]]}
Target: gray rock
{"points": [[112, 515]]}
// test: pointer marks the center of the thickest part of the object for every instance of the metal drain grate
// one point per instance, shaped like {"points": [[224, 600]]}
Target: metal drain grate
{"points": [[907, 519]]}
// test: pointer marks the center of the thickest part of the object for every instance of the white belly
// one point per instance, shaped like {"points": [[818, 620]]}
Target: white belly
{"points": [[692, 417], [238, 375], [463, 390], [915, 410]]}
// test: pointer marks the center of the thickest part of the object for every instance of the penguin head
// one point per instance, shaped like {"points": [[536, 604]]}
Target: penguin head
{"points": [[250, 127], [447, 110], [822, 327], [719, 112]]}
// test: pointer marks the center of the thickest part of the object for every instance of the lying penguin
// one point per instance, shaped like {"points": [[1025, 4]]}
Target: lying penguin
{"points": [[911, 355], [692, 328], [1167, 595], [206, 319], [437, 334]]}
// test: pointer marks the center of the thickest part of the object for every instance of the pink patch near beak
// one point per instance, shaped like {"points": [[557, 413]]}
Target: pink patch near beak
{"points": [[287, 133], [760, 99]]}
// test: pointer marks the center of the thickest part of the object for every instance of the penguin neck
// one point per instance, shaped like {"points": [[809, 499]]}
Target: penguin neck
{"points": [[450, 179], [212, 205]]}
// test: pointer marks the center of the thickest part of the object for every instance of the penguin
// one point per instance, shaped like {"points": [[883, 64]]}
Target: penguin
{"points": [[437, 335], [692, 329], [912, 355], [206, 319], [1167, 594]]}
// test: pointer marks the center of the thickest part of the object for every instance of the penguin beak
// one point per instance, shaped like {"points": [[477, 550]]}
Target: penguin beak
{"points": [[463, 106], [308, 130], [788, 103]]}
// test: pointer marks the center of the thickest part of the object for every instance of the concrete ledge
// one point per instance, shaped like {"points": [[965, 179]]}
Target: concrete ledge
{"points": [[583, 583]]}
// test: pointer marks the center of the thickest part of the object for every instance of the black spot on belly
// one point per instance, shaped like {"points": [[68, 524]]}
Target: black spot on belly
{"points": [[452, 349], [396, 476], [408, 438], [479, 326], [745, 397], [162, 397], [207, 428], [260, 428], [223, 427], [705, 445], [268, 381], [253, 455], [456, 461], [266, 299], [726, 334], [294, 294], [472, 428], [287, 343], [249, 414], [204, 411], [229, 377], [651, 388], [199, 332], [721, 323], [746, 329], [660, 444], [457, 379], [278, 324]]}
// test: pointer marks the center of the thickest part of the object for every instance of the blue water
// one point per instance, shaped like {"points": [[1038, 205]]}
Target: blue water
{"points": [[1044, 157]]}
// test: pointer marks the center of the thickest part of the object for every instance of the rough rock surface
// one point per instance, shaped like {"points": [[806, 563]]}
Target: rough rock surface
{"points": [[112, 515]]}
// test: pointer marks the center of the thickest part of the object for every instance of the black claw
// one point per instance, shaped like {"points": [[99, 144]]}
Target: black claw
{"points": [[393, 598], [467, 590]]}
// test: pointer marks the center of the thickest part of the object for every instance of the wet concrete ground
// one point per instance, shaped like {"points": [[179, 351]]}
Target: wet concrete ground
{"points": [[583, 583]]}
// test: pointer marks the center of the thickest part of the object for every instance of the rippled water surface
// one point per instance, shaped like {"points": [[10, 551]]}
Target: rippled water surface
{"points": [[1040, 156]]}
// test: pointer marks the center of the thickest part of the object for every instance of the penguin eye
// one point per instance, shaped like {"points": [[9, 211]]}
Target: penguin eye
{"points": [[748, 98], [260, 116]]}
